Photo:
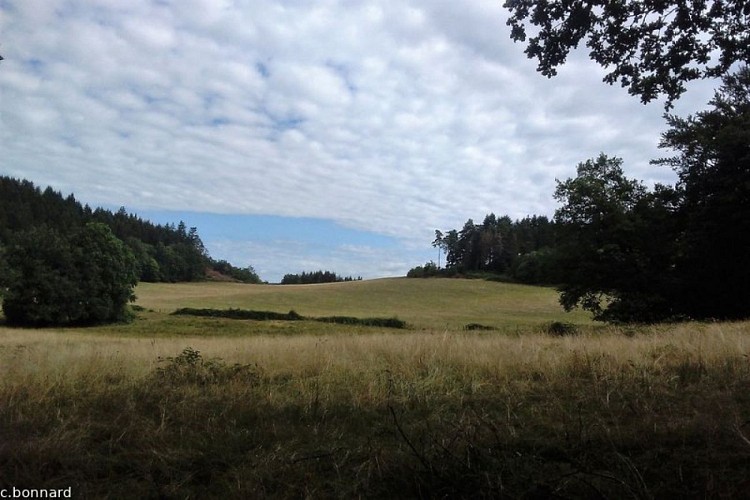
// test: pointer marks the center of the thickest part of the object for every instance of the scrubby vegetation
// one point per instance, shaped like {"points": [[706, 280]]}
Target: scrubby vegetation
{"points": [[660, 413], [290, 316]]}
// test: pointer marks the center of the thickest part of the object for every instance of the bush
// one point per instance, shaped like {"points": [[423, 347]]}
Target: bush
{"points": [[428, 270], [290, 316], [83, 278], [189, 367], [477, 327], [348, 320], [559, 328], [239, 314]]}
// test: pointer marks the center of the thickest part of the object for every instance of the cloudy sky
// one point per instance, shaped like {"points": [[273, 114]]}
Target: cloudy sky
{"points": [[305, 134]]}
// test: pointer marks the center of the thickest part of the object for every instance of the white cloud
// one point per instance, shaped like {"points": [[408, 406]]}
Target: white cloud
{"points": [[392, 117]]}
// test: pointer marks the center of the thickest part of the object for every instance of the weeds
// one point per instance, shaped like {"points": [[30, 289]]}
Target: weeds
{"points": [[190, 368]]}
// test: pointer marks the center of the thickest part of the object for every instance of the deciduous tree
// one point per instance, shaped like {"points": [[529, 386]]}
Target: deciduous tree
{"points": [[713, 164], [83, 278], [653, 47]]}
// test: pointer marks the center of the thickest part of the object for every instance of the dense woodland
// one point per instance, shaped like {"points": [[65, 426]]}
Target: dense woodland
{"points": [[517, 250], [169, 253]]}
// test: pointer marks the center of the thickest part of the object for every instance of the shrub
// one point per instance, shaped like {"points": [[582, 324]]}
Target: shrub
{"points": [[559, 328], [83, 278], [477, 326], [348, 320], [189, 367]]}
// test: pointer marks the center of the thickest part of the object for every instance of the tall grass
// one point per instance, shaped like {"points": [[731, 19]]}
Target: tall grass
{"points": [[647, 413]]}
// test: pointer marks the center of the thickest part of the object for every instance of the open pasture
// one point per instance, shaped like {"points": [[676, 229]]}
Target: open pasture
{"points": [[180, 407], [432, 304]]}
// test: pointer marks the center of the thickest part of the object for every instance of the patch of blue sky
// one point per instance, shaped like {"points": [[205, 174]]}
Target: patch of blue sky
{"points": [[34, 65], [260, 228], [262, 70], [219, 121], [343, 72]]}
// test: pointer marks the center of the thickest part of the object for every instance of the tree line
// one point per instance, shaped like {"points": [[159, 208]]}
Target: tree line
{"points": [[62, 263], [305, 278], [499, 246], [163, 253]]}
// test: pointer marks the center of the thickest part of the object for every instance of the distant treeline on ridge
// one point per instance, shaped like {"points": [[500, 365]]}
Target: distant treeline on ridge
{"points": [[163, 253], [519, 250], [306, 278]]}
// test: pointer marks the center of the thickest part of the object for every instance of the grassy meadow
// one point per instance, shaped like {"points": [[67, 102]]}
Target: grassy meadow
{"points": [[187, 407]]}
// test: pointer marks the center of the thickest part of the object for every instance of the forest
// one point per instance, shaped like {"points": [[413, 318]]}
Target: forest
{"points": [[163, 253], [498, 247], [63, 263]]}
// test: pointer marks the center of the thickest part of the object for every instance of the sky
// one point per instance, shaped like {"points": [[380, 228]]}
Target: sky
{"points": [[302, 135]]}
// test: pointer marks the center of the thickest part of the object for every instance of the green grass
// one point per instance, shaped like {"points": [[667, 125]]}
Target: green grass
{"points": [[424, 303], [185, 407]]}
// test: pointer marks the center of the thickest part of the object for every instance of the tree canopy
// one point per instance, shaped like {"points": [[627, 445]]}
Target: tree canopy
{"points": [[79, 278], [498, 246], [169, 253], [653, 47], [320, 276], [614, 253], [713, 165], [629, 254]]}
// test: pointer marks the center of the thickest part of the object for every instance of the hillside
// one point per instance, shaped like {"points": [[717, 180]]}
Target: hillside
{"points": [[426, 304], [164, 253]]}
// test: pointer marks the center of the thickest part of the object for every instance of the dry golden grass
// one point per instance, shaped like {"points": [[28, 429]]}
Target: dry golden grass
{"points": [[290, 410], [486, 356]]}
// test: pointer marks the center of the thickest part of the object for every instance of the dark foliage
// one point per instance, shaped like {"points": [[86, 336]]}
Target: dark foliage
{"points": [[520, 250], [245, 275], [653, 47], [239, 314], [290, 316], [429, 270], [80, 278], [169, 253], [713, 164], [631, 255], [477, 327], [560, 329], [616, 250], [348, 320]]}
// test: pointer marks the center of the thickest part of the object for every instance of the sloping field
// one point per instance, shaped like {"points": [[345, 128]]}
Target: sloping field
{"points": [[424, 303]]}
